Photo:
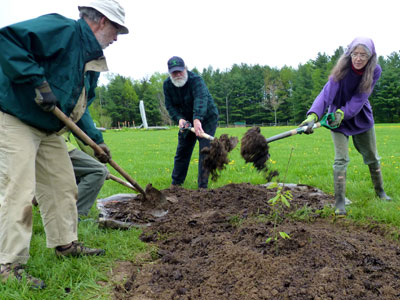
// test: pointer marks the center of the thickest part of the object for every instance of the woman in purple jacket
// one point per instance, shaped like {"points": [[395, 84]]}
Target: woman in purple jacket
{"points": [[346, 95]]}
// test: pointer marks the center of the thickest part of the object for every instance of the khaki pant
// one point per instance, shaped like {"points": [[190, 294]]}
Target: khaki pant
{"points": [[33, 162]]}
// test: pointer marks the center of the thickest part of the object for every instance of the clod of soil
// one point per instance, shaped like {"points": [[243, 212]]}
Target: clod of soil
{"points": [[254, 148], [216, 156], [212, 245], [154, 198]]}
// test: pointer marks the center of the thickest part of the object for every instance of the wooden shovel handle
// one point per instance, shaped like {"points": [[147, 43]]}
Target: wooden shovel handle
{"points": [[119, 180], [84, 137], [204, 135]]}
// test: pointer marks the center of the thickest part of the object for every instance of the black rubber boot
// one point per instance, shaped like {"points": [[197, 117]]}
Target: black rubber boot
{"points": [[377, 181], [339, 179]]}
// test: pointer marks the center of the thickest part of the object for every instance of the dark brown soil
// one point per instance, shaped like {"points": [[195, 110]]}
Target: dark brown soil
{"points": [[212, 245], [254, 148], [216, 156]]}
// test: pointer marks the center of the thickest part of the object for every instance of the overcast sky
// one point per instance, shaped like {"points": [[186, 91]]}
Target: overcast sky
{"points": [[221, 33]]}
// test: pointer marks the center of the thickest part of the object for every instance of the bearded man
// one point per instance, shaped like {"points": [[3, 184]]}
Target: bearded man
{"points": [[188, 101]]}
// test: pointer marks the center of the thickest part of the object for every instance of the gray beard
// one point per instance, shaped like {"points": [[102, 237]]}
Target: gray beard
{"points": [[179, 82]]}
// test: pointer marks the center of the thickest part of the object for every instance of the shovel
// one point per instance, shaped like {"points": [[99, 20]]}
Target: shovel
{"points": [[124, 183], [227, 143], [71, 125], [299, 130], [254, 147], [204, 135]]}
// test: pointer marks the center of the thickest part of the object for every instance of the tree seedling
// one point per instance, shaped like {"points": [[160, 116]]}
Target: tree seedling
{"points": [[277, 203], [281, 198]]}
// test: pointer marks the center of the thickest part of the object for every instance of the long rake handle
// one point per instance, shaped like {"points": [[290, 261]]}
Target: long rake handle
{"points": [[84, 137], [290, 133]]}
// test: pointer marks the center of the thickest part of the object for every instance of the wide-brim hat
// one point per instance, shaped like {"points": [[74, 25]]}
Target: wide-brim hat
{"points": [[111, 9]]}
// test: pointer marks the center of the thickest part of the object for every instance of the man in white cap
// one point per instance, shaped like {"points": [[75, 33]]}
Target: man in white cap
{"points": [[47, 62]]}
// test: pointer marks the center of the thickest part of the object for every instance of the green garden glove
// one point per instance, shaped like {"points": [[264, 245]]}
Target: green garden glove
{"points": [[339, 115], [309, 122], [45, 97]]}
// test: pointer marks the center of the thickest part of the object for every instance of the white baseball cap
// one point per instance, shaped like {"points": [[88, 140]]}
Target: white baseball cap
{"points": [[111, 9]]}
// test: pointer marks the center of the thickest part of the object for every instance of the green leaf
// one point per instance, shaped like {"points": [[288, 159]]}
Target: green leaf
{"points": [[284, 235], [285, 202], [274, 200], [268, 240]]}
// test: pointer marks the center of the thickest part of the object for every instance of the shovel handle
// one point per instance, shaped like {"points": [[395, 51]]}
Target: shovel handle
{"points": [[79, 132], [290, 133], [324, 122], [127, 177], [119, 180], [84, 137], [204, 135]]}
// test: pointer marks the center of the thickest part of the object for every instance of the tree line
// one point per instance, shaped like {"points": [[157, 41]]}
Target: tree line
{"points": [[250, 94]]}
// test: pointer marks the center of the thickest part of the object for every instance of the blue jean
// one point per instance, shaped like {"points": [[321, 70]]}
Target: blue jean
{"points": [[184, 150]]}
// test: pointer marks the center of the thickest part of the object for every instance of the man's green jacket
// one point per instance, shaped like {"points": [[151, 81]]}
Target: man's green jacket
{"points": [[51, 48]]}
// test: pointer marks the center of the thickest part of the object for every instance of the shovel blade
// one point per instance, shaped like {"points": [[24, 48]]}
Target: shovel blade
{"points": [[154, 197]]}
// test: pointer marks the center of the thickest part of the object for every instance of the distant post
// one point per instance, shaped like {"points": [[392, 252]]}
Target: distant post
{"points": [[143, 114]]}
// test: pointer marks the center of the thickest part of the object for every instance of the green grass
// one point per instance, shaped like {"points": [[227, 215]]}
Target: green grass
{"points": [[148, 156]]}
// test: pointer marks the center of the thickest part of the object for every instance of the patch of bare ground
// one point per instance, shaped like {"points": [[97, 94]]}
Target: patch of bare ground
{"points": [[212, 245]]}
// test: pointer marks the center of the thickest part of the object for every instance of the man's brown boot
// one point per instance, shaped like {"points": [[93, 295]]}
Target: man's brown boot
{"points": [[17, 271], [77, 249]]}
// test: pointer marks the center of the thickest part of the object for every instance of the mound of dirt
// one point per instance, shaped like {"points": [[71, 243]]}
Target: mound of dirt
{"points": [[212, 245]]}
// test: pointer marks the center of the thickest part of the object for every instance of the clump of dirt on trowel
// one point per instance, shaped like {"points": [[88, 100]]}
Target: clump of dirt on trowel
{"points": [[216, 156], [254, 148]]}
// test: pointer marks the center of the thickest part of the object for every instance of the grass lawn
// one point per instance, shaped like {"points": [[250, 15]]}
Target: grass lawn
{"points": [[148, 157]]}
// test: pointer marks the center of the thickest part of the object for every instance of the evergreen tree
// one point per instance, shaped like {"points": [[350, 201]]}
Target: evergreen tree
{"points": [[252, 94], [385, 100], [121, 100], [302, 96]]}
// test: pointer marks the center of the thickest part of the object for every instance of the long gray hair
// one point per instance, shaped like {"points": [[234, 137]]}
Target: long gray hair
{"points": [[343, 66]]}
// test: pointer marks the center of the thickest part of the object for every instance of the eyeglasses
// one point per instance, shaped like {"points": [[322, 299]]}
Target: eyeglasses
{"points": [[362, 56]]}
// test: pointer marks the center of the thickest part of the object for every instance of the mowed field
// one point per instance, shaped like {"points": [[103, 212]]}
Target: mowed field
{"points": [[147, 155], [306, 159]]}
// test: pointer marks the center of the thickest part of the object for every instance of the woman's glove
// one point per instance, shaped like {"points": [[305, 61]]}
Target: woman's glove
{"points": [[309, 122], [339, 115]]}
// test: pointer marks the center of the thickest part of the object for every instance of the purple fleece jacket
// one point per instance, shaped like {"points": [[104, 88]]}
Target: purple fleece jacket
{"points": [[344, 95]]}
